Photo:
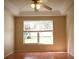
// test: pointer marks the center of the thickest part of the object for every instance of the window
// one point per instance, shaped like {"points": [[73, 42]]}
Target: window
{"points": [[39, 32]]}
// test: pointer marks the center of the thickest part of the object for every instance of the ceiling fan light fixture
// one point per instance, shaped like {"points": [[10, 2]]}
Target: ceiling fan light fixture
{"points": [[37, 6], [40, 1], [33, 5]]}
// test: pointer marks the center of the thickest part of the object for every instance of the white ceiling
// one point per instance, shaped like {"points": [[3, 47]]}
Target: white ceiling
{"points": [[20, 7]]}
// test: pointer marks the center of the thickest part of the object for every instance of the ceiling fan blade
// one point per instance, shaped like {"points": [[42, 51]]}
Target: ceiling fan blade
{"points": [[47, 7]]}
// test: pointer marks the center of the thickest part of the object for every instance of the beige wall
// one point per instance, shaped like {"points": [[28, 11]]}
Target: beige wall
{"points": [[70, 29], [8, 33], [60, 41]]}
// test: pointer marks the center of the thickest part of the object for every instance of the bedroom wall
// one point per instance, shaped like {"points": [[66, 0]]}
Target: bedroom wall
{"points": [[70, 29], [60, 41], [8, 33]]}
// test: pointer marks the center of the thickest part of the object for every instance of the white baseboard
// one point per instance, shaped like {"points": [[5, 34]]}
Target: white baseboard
{"points": [[38, 51], [57, 52], [8, 54], [71, 54]]}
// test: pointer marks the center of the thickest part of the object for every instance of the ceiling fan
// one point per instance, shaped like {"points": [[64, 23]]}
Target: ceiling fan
{"points": [[37, 3]]}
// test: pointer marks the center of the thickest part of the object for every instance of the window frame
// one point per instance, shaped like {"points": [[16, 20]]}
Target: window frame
{"points": [[37, 32]]}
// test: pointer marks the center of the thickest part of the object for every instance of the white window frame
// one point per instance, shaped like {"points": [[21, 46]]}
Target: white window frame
{"points": [[37, 32]]}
